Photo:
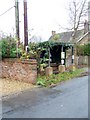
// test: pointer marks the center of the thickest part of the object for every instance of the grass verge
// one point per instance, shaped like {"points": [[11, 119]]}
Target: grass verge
{"points": [[49, 81]]}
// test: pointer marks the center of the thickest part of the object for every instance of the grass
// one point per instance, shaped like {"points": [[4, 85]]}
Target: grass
{"points": [[48, 81]]}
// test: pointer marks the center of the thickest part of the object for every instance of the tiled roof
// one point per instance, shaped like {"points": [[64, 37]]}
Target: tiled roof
{"points": [[67, 36]]}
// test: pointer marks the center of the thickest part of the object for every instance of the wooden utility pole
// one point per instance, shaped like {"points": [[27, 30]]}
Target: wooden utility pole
{"points": [[89, 17], [17, 20], [25, 26]]}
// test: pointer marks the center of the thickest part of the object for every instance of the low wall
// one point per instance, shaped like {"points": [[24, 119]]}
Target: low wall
{"points": [[79, 60], [15, 69], [82, 60]]}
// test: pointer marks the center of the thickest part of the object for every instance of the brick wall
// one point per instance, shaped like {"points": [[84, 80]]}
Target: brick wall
{"points": [[16, 69]]}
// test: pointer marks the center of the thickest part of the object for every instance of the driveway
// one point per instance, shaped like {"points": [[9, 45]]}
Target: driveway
{"points": [[67, 100]]}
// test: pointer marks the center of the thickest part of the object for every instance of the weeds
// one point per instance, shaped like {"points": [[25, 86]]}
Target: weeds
{"points": [[46, 81]]}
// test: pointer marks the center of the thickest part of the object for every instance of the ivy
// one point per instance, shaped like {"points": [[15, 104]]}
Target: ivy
{"points": [[42, 50]]}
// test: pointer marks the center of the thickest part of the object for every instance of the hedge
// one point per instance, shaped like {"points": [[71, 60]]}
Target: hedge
{"points": [[8, 47], [83, 49]]}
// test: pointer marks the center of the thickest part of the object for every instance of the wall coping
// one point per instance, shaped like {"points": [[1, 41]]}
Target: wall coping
{"points": [[23, 61]]}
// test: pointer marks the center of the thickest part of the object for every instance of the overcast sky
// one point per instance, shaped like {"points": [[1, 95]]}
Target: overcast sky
{"points": [[43, 16]]}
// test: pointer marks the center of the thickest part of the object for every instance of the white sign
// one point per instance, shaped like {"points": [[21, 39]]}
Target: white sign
{"points": [[72, 56], [62, 55], [26, 48], [62, 62]]}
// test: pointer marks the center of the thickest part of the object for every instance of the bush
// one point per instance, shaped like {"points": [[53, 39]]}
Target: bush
{"points": [[83, 50], [8, 47]]}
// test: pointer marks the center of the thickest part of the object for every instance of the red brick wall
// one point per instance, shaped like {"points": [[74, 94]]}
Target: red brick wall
{"points": [[16, 69]]}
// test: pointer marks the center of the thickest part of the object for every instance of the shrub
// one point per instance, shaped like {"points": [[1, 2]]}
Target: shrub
{"points": [[83, 50], [8, 47]]}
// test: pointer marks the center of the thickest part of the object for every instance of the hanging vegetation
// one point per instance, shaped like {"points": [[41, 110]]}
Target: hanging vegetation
{"points": [[43, 55]]}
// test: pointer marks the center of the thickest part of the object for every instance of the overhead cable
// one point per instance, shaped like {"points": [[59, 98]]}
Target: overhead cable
{"points": [[6, 11]]}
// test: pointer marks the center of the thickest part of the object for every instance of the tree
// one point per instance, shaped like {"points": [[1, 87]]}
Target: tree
{"points": [[35, 39], [78, 10]]}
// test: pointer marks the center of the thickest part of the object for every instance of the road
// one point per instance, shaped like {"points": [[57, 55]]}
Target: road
{"points": [[67, 100]]}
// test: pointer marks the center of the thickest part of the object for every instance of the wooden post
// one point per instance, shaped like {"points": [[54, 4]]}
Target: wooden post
{"points": [[72, 55], [61, 68], [89, 21], [62, 56], [49, 70], [49, 57], [17, 25], [17, 20], [25, 26], [73, 65]]}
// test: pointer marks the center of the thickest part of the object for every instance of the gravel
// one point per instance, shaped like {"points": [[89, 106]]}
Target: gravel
{"points": [[8, 87]]}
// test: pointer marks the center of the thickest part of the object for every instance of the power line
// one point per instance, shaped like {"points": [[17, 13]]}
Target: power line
{"points": [[7, 11]]}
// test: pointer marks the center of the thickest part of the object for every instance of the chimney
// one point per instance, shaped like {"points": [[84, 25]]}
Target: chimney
{"points": [[53, 33]]}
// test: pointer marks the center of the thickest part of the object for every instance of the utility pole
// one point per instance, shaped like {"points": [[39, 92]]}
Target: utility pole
{"points": [[89, 17], [17, 20], [25, 26]]}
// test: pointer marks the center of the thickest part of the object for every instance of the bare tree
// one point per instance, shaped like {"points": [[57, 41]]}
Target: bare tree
{"points": [[78, 10]]}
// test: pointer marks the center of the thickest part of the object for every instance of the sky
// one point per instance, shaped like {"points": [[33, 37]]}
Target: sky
{"points": [[43, 17]]}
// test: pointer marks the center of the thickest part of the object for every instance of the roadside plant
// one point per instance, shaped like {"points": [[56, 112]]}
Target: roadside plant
{"points": [[8, 47], [83, 49], [48, 81]]}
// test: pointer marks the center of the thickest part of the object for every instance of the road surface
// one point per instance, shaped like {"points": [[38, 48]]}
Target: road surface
{"points": [[67, 100]]}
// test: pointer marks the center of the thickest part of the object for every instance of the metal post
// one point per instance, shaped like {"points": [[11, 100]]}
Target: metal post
{"points": [[25, 25]]}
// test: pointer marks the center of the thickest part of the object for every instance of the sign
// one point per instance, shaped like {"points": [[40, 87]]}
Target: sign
{"points": [[72, 56], [62, 62], [62, 55]]}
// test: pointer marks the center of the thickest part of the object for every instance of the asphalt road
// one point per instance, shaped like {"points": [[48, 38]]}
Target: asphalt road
{"points": [[67, 100]]}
